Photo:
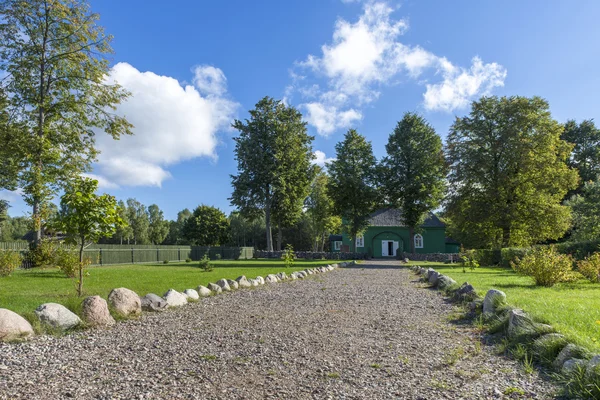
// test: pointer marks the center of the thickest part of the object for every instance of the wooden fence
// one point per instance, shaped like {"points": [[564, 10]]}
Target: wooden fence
{"points": [[111, 254]]}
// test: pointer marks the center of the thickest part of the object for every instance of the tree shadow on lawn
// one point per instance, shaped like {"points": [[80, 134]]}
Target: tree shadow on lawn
{"points": [[44, 274]]}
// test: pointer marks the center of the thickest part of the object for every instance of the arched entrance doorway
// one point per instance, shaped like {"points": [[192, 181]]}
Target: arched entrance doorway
{"points": [[387, 244]]}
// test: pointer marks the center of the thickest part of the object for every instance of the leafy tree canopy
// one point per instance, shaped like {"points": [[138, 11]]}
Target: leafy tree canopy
{"points": [[586, 151], [207, 226], [158, 228], [586, 212]]}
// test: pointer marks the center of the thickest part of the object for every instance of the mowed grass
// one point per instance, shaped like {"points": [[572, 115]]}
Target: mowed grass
{"points": [[573, 309], [25, 290]]}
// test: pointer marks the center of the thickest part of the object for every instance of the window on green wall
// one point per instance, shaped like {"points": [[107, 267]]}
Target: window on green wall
{"points": [[337, 245], [360, 241], [418, 241]]}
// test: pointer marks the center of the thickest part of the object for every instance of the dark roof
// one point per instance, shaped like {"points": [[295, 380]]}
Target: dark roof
{"points": [[451, 241], [335, 238], [393, 217]]}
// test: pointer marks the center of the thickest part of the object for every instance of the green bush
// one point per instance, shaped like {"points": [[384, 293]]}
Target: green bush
{"points": [[288, 256], [165, 261], [510, 254], [579, 250], [545, 265], [469, 260], [188, 260], [590, 267], [487, 256], [205, 264], [67, 260], [43, 254], [9, 261]]}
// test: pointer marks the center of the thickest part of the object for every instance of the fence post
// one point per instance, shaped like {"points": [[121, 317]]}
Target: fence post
{"points": [[157, 256], [132, 255], [100, 251], [178, 254]]}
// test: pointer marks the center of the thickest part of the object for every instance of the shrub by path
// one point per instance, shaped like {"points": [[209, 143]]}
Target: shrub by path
{"points": [[354, 333]]}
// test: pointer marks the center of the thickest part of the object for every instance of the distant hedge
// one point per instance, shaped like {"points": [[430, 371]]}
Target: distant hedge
{"points": [[503, 257]]}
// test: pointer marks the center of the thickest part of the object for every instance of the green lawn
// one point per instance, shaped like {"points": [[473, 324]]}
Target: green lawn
{"points": [[572, 308], [25, 290]]}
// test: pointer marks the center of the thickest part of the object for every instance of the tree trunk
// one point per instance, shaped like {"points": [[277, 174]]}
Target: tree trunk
{"points": [[80, 283], [279, 236], [506, 236], [411, 236], [268, 227]]}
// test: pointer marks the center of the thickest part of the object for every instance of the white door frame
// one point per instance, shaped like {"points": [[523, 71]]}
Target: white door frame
{"points": [[384, 248]]}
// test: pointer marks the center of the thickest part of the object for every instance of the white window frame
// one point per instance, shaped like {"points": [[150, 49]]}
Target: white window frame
{"points": [[419, 241], [360, 241], [337, 245]]}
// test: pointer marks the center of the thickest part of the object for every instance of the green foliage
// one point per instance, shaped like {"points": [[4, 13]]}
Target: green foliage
{"points": [[469, 260], [546, 265], [586, 212], [158, 228], [165, 261], [205, 264], [590, 267], [124, 232], [288, 256], [9, 261], [43, 254], [508, 174], [56, 58], [581, 384], [66, 260], [85, 217], [586, 151], [274, 154], [320, 210], [175, 235], [188, 260], [414, 170], [137, 219], [352, 183], [207, 226]]}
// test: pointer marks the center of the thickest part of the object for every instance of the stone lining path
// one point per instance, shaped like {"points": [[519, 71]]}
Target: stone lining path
{"points": [[367, 332]]}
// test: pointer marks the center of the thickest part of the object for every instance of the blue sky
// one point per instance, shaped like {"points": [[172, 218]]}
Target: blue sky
{"points": [[193, 66]]}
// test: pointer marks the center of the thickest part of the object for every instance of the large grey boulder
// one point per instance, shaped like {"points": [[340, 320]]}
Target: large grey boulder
{"points": [[125, 302], [153, 302], [569, 351], [520, 325], [293, 276], [465, 292], [271, 279], [13, 326], [94, 310], [308, 271], [233, 284], [243, 282], [203, 291], [224, 285], [445, 281], [432, 277], [192, 294], [175, 299], [57, 316], [592, 369], [493, 299], [282, 276], [261, 280], [213, 287]]}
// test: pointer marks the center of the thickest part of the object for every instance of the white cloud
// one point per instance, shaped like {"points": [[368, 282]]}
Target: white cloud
{"points": [[103, 183], [327, 118], [210, 80], [365, 56], [172, 123], [460, 85], [321, 159]]}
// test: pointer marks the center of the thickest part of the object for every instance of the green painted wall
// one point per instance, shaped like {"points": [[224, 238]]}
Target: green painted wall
{"points": [[434, 240]]}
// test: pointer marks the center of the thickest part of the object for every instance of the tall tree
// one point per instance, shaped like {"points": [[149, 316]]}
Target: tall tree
{"points": [[4, 218], [586, 212], [175, 235], [273, 154], [294, 171], [85, 217], [508, 174], [320, 210], [208, 226], [414, 171], [158, 228], [586, 151], [124, 231], [352, 183], [137, 218], [55, 55]]}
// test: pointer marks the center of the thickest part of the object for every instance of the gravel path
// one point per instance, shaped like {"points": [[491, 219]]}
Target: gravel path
{"points": [[369, 332]]}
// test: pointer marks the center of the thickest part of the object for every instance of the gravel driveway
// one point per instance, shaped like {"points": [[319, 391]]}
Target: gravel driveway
{"points": [[368, 332]]}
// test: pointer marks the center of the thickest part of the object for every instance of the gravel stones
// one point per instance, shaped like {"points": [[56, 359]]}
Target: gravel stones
{"points": [[152, 302], [125, 302], [493, 299], [13, 326], [224, 285], [175, 299], [203, 291], [192, 294], [94, 310], [57, 316]]}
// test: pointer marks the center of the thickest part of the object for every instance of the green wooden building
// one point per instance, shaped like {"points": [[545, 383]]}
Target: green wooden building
{"points": [[387, 236]]}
